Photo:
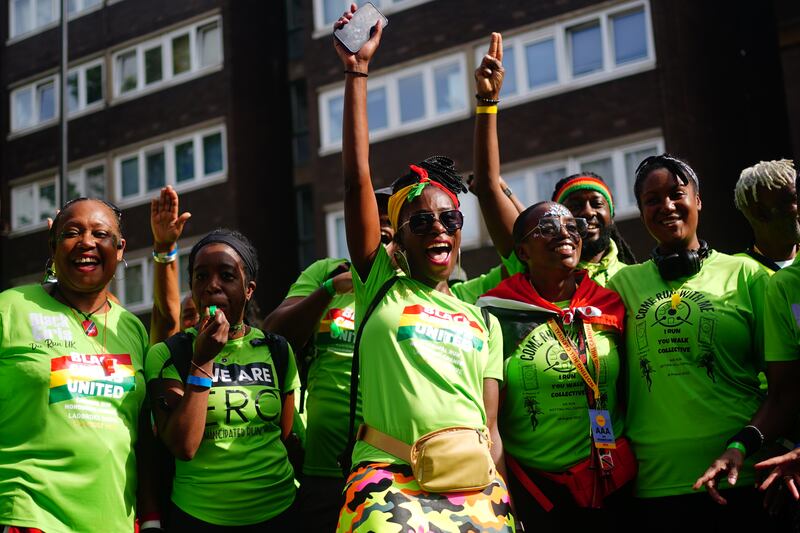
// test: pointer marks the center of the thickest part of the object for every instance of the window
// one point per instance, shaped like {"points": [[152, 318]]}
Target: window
{"points": [[178, 54], [37, 103], [575, 53], [616, 166], [586, 48], [326, 12], [88, 180], [337, 237], [33, 203], [27, 16], [404, 100], [180, 162]]}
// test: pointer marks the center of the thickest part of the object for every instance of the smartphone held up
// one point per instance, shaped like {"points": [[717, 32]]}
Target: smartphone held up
{"points": [[357, 31]]}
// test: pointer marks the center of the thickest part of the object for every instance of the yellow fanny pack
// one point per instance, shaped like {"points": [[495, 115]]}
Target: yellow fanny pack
{"points": [[451, 459]]}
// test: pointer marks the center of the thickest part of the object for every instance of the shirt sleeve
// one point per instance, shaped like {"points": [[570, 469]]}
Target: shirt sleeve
{"points": [[157, 355], [780, 323], [292, 379], [513, 264], [381, 270], [494, 364], [469, 291], [311, 278]]}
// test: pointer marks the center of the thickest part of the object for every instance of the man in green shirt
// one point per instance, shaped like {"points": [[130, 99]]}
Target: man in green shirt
{"points": [[604, 251], [766, 196]]}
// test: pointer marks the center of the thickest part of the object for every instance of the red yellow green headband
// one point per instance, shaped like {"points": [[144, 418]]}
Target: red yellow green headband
{"points": [[584, 183], [410, 192]]}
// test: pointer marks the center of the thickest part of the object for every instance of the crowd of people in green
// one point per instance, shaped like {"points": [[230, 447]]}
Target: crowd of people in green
{"points": [[569, 387]]}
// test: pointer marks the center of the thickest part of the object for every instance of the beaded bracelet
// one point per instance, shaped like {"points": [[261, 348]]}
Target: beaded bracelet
{"points": [[487, 101], [166, 257]]}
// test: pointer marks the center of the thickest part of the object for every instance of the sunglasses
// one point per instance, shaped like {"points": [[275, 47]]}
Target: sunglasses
{"points": [[422, 223], [550, 227]]}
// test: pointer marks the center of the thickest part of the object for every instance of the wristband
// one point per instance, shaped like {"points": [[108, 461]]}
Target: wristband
{"points": [[486, 110], [328, 286], [150, 524], [750, 437], [738, 446], [357, 73], [166, 257], [508, 192], [199, 381]]}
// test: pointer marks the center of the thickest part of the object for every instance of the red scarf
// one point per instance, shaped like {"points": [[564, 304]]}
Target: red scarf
{"points": [[594, 304]]}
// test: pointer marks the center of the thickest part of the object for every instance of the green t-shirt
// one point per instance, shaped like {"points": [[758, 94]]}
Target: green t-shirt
{"points": [[69, 419], [469, 291], [692, 378], [424, 356], [782, 315], [240, 474], [544, 418], [328, 401], [600, 272]]}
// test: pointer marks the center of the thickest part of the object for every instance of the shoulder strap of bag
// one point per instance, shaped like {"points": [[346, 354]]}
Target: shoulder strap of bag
{"points": [[528, 483], [279, 349], [180, 354], [354, 370]]}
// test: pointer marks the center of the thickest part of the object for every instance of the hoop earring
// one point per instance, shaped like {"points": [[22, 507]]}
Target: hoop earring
{"points": [[49, 272]]}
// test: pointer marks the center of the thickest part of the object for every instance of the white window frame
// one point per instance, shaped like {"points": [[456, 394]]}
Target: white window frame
{"points": [[624, 203], [83, 108], [168, 78], [387, 7], [15, 36], [334, 212], [37, 209], [515, 44], [390, 82], [200, 179]]}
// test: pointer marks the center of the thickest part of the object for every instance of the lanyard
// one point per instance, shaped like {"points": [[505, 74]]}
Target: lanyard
{"points": [[569, 348]]}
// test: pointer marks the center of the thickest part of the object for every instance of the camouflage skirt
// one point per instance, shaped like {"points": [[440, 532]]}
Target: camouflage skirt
{"points": [[385, 498]]}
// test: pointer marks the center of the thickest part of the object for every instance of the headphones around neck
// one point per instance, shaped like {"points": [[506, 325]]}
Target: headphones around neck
{"points": [[680, 264]]}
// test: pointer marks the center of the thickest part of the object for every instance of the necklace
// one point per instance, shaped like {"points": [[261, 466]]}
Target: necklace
{"points": [[236, 329], [88, 325]]}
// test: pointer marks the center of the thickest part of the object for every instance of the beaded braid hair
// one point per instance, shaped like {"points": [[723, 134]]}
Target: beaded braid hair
{"points": [[440, 169]]}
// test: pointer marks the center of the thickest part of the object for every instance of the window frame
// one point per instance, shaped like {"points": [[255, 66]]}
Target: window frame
{"points": [[322, 28], [168, 144], [390, 81], [34, 29], [36, 185], [168, 78]]}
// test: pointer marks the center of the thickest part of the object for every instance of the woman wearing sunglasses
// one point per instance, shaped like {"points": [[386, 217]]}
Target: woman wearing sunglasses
{"points": [[694, 349], [428, 361]]}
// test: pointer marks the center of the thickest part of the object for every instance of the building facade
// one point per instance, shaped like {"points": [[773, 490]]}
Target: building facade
{"points": [[181, 93], [589, 85]]}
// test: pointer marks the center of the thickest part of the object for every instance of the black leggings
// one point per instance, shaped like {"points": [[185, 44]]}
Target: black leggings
{"points": [[182, 522]]}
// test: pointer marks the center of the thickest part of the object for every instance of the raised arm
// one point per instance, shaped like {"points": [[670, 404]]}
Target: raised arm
{"points": [[360, 207], [167, 227], [498, 212]]}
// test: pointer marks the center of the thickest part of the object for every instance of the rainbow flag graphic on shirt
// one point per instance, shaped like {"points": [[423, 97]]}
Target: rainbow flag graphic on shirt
{"points": [[338, 323], [77, 375], [432, 324]]}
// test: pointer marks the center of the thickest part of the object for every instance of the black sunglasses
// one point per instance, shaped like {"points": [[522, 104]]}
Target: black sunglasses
{"points": [[422, 223]]}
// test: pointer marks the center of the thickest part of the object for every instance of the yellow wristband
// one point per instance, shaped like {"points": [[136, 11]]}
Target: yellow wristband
{"points": [[486, 110]]}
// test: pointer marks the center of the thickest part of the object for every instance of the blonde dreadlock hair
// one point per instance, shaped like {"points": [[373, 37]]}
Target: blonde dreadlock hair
{"points": [[769, 174]]}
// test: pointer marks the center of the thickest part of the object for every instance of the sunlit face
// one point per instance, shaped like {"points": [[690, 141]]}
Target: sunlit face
{"points": [[670, 209], [88, 246], [219, 279], [544, 253], [592, 206], [432, 255]]}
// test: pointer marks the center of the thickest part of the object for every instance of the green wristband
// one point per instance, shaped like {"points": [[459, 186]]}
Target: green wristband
{"points": [[738, 446], [328, 286]]}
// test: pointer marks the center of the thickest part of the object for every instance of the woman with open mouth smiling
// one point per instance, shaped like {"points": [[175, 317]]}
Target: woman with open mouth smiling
{"points": [[560, 335], [72, 385], [428, 361], [694, 338]]}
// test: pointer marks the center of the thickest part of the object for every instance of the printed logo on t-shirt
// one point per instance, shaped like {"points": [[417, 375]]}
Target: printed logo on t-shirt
{"points": [[50, 328], [679, 329], [338, 325], [249, 374], [432, 324]]}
